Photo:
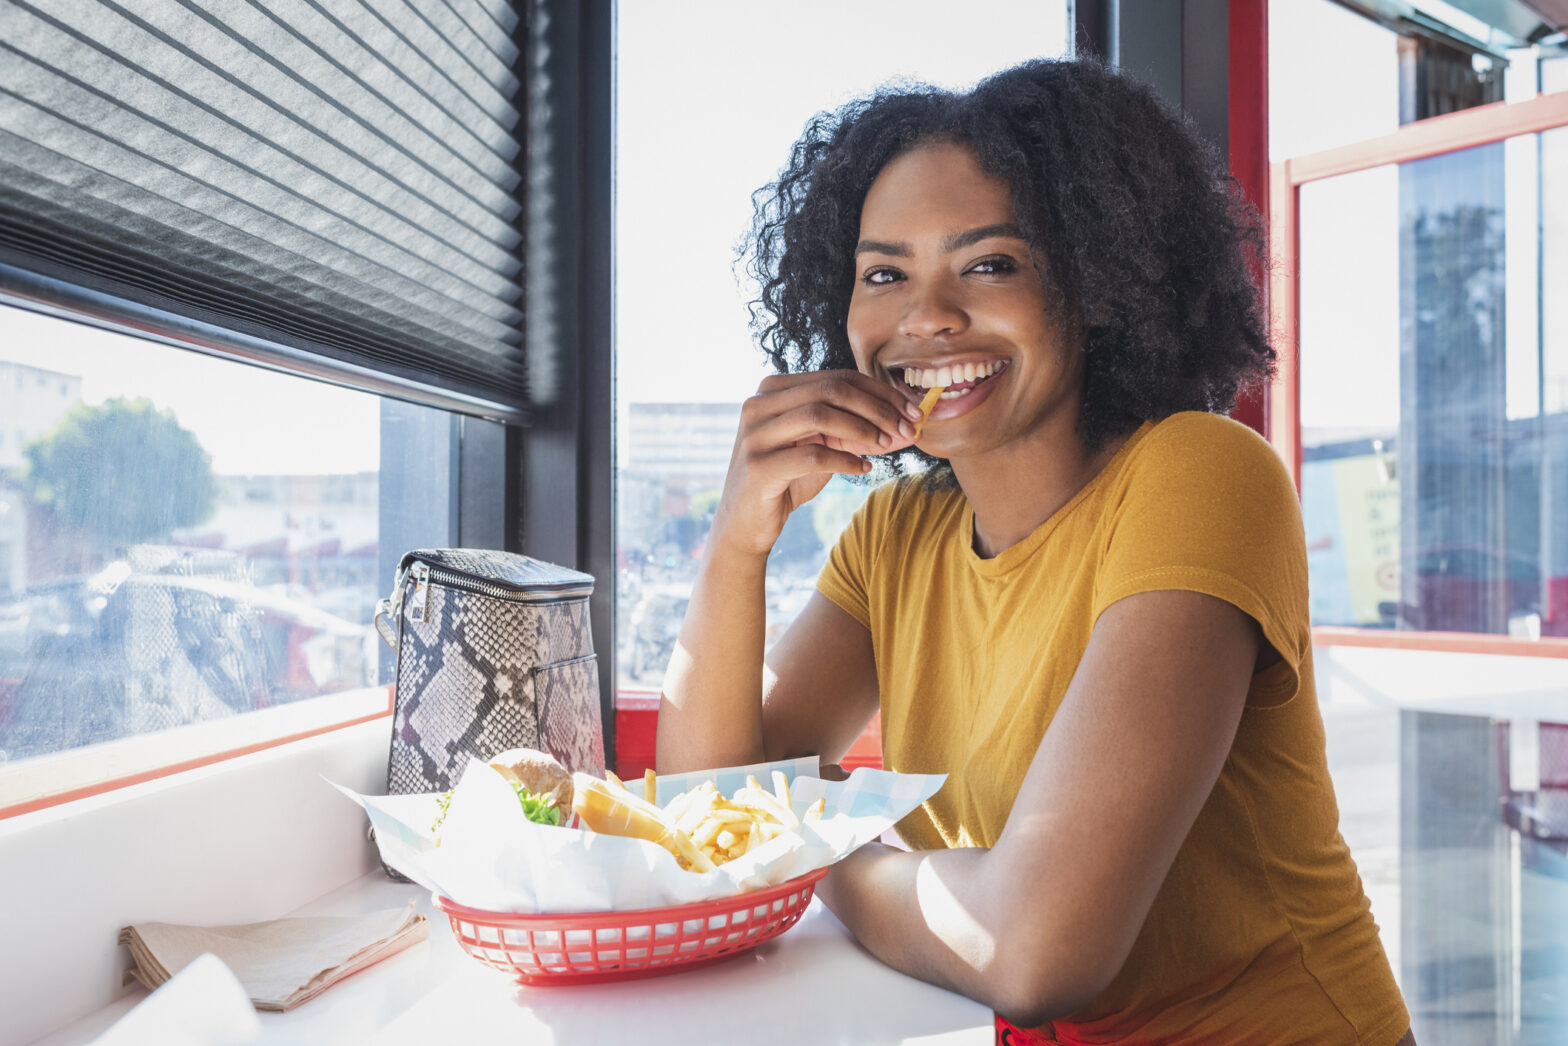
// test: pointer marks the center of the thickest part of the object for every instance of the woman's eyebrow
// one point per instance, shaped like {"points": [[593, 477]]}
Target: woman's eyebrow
{"points": [[960, 240], [957, 241]]}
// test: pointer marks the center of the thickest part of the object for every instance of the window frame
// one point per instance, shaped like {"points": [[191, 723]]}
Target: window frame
{"points": [[480, 499], [538, 481], [1452, 132]]}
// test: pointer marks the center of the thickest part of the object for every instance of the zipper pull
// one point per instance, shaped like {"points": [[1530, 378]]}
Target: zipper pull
{"points": [[416, 609]]}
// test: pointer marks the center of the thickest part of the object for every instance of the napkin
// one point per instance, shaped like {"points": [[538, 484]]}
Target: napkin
{"points": [[281, 963]]}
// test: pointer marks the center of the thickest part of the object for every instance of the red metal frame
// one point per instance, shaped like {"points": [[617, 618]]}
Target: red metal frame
{"points": [[637, 727], [1247, 132], [1482, 125]]}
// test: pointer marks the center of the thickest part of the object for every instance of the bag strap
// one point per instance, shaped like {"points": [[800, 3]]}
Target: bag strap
{"points": [[388, 610]]}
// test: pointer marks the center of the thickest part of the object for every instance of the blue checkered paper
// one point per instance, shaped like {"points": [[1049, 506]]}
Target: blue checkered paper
{"points": [[490, 856]]}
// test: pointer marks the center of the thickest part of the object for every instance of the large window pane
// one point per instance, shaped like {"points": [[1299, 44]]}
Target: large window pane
{"points": [[692, 81], [1434, 417], [184, 538], [1434, 472]]}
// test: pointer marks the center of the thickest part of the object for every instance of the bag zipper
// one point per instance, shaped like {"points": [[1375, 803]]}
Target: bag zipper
{"points": [[421, 575], [424, 574]]}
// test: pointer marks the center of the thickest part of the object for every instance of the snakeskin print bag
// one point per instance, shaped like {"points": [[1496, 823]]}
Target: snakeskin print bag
{"points": [[493, 652]]}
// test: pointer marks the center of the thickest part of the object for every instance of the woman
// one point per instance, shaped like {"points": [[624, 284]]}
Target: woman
{"points": [[1090, 612]]}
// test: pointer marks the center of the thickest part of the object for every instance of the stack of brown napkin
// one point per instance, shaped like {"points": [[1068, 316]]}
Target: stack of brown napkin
{"points": [[281, 963]]}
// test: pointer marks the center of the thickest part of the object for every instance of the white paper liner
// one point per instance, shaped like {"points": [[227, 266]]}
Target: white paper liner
{"points": [[493, 858]]}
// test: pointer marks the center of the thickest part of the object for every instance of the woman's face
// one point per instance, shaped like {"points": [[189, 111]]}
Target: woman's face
{"points": [[946, 294]]}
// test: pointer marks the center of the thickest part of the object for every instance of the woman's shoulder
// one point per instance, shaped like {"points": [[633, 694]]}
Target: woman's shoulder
{"points": [[1194, 431], [1199, 448]]}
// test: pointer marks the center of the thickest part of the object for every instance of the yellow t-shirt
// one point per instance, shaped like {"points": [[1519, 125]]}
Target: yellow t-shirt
{"points": [[1261, 931]]}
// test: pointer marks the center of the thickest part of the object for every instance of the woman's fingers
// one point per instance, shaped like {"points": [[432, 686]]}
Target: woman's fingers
{"points": [[807, 458], [820, 422], [795, 433], [882, 409]]}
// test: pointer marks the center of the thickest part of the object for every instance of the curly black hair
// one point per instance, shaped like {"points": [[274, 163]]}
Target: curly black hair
{"points": [[1149, 247]]}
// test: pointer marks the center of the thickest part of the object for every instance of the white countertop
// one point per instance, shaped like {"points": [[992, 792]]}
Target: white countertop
{"points": [[813, 984]]}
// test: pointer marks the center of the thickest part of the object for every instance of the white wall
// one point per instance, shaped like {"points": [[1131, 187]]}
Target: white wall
{"points": [[240, 841]]}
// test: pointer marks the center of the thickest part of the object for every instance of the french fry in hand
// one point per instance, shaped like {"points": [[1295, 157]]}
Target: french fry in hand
{"points": [[650, 786], [927, 405]]}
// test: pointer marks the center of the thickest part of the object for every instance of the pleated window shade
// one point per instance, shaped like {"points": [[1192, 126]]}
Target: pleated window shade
{"points": [[335, 176]]}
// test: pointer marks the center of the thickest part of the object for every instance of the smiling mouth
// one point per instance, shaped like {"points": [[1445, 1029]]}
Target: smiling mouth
{"points": [[956, 380]]}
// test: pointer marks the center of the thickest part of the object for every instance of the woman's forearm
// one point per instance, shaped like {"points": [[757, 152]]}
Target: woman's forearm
{"points": [[710, 711], [939, 915]]}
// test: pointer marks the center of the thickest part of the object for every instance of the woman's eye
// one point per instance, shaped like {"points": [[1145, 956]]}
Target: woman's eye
{"points": [[878, 277], [994, 266]]}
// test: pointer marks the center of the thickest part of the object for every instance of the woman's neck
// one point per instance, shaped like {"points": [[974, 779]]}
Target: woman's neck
{"points": [[1013, 490]]}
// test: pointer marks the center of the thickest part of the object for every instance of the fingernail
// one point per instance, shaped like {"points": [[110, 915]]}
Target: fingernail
{"points": [[906, 430], [912, 411], [884, 439]]}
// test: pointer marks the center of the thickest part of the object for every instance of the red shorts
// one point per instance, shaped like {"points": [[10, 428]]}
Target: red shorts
{"points": [[1009, 1034]]}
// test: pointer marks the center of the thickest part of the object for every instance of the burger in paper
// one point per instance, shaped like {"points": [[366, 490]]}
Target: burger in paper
{"points": [[542, 784]]}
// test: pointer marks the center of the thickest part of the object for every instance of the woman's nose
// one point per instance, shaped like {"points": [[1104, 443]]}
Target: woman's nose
{"points": [[932, 314]]}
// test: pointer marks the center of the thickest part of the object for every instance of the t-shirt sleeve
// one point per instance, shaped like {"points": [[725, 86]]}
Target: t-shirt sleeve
{"points": [[1208, 507], [846, 577]]}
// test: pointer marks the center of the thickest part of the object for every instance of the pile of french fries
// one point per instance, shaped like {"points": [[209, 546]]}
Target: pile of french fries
{"points": [[709, 829]]}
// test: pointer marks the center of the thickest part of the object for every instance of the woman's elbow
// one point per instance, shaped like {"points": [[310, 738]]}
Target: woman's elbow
{"points": [[1039, 985], [1029, 1006]]}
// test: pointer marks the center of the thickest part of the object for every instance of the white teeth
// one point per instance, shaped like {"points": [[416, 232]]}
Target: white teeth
{"points": [[955, 394], [922, 377]]}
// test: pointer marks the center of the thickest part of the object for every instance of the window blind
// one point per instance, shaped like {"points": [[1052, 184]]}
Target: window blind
{"points": [[337, 177]]}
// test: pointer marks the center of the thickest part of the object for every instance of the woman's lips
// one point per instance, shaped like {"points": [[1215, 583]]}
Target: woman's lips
{"points": [[958, 398], [951, 406]]}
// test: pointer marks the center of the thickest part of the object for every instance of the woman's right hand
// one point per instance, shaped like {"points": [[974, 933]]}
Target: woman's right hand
{"points": [[795, 433]]}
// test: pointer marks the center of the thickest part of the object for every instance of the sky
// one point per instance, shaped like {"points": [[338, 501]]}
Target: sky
{"points": [[251, 420]]}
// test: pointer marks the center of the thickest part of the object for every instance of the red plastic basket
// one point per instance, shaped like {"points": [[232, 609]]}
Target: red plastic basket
{"points": [[591, 947]]}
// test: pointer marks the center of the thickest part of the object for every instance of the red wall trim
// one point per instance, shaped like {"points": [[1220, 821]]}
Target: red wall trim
{"points": [[637, 727], [1247, 115], [1448, 642]]}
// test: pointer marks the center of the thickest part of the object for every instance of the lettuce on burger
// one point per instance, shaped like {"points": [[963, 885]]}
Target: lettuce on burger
{"points": [[542, 784]]}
